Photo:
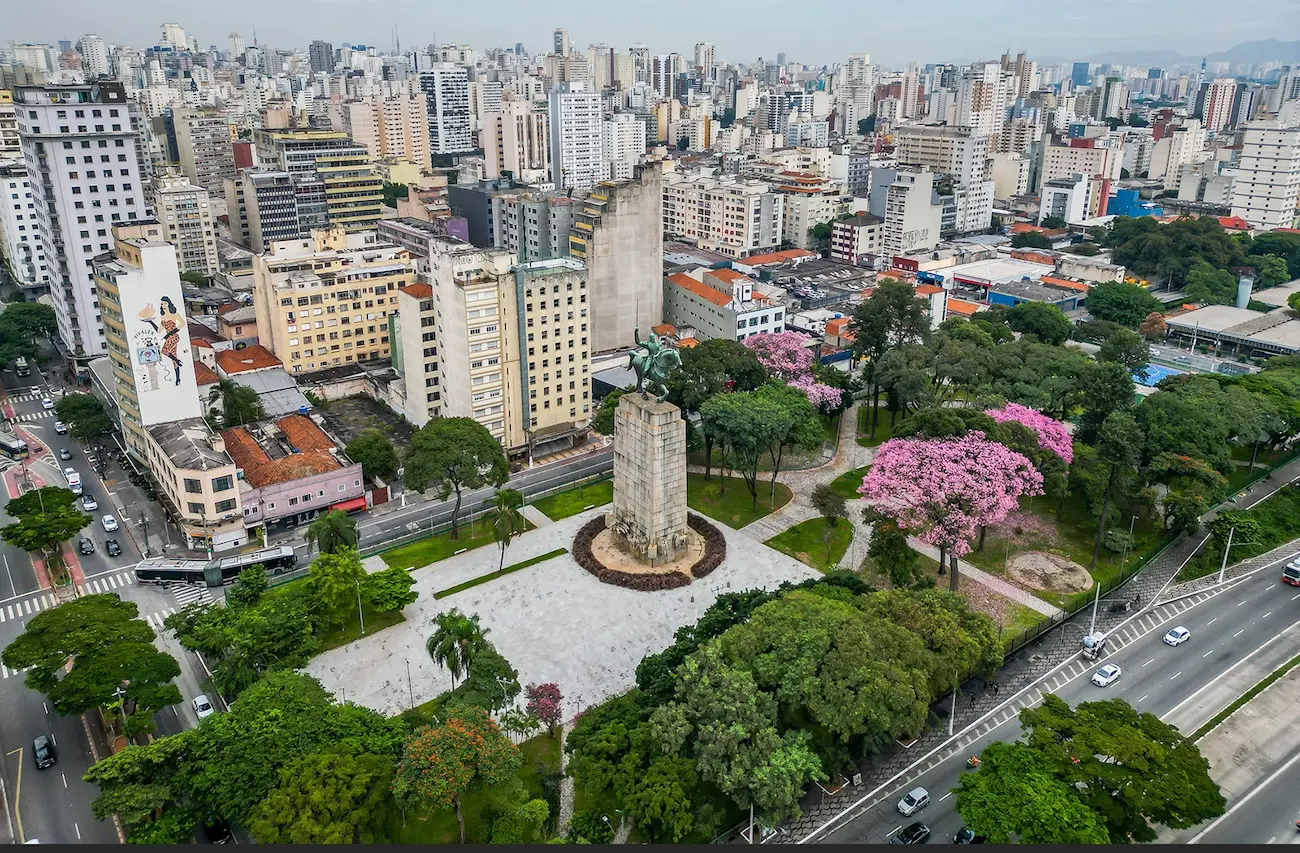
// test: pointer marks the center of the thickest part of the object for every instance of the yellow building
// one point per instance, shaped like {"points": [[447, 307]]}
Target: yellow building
{"points": [[325, 300]]}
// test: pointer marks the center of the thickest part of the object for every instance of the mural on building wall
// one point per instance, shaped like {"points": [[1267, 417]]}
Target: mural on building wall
{"points": [[157, 345], [158, 341]]}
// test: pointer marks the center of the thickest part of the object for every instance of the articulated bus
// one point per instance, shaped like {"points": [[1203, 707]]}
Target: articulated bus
{"points": [[219, 572], [13, 447]]}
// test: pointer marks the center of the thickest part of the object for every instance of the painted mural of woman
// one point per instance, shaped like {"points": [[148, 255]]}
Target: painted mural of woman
{"points": [[171, 333]]}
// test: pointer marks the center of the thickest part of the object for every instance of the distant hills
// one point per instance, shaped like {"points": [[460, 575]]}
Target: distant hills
{"points": [[1246, 53]]}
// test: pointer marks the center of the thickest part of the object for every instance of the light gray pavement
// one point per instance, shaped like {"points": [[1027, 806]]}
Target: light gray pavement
{"points": [[552, 621], [997, 584], [536, 516]]}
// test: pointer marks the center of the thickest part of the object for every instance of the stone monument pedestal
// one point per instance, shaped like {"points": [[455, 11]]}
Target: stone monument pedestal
{"points": [[648, 520]]}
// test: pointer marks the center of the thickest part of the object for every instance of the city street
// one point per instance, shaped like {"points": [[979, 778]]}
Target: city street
{"points": [[1267, 813], [1184, 685]]}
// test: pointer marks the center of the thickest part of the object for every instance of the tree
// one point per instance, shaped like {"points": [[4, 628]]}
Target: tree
{"points": [[506, 519], [1210, 286], [1051, 434], [375, 452], [945, 490], [1043, 321], [522, 823], [389, 589], [830, 504], [749, 424], [893, 316], [194, 277], [1154, 328], [1270, 271], [891, 554], [248, 589], [714, 367], [110, 649], [603, 422], [232, 404], [455, 641], [1105, 387], [85, 416], [785, 355], [452, 454], [659, 800], [1131, 769], [1293, 302], [1031, 240], [332, 532], [335, 578], [546, 703], [1148, 248], [1015, 795], [590, 826], [44, 499], [1127, 348], [797, 428], [867, 125], [728, 117], [46, 517], [1053, 222], [683, 143], [1118, 448], [1122, 303], [328, 798], [821, 234], [27, 322], [175, 826], [441, 764], [394, 192]]}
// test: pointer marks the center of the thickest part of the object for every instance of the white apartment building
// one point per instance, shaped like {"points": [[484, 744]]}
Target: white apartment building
{"points": [[516, 140], [1067, 198], [623, 142], [94, 56], [720, 304], [802, 130], [20, 238], [203, 141], [982, 98], [962, 154], [10, 146], [1266, 189], [1186, 144], [389, 127], [1062, 161], [809, 201], [446, 88], [577, 152], [1219, 97], [1010, 173], [81, 152], [855, 238], [912, 222], [733, 216], [185, 213]]}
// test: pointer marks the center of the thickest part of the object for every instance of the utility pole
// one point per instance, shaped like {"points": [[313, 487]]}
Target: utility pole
{"points": [[362, 619], [1092, 629], [1223, 567]]}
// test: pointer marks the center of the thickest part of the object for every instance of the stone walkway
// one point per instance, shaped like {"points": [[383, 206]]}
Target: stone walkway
{"points": [[566, 786], [993, 582], [536, 516]]}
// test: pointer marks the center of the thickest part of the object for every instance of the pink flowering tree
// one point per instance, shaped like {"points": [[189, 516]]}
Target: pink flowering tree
{"points": [[944, 490], [545, 703], [826, 398], [1052, 434], [784, 354]]}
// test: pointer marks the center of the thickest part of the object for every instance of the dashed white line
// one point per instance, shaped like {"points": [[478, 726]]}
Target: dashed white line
{"points": [[78, 829], [945, 796], [1148, 661], [1239, 603], [1212, 621], [1294, 597], [1266, 615], [1207, 654], [1239, 632], [1144, 697], [65, 779], [1175, 675], [892, 831]]}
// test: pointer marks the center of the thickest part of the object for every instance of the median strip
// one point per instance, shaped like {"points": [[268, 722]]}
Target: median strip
{"points": [[461, 587], [1246, 697]]}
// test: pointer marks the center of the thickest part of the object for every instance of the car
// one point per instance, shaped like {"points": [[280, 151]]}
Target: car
{"points": [[69, 472], [1107, 675], [47, 403], [60, 427], [43, 751], [915, 800], [110, 523], [218, 832], [202, 707], [916, 833], [1177, 636], [35, 389], [111, 546], [85, 546], [88, 503], [967, 836], [65, 453]]}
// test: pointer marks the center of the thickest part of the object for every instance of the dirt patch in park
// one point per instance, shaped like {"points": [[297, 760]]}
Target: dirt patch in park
{"points": [[1049, 572]]}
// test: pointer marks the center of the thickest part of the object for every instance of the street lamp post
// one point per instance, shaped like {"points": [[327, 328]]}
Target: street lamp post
{"points": [[361, 617], [409, 689], [144, 532], [1124, 561], [1223, 567]]}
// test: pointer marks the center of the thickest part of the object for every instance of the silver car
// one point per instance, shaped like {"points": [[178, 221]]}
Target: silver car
{"points": [[915, 800]]}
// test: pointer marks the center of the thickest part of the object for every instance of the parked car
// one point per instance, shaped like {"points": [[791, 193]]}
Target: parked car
{"points": [[43, 752], [110, 523], [65, 453], [202, 707], [915, 800], [218, 832], [1107, 675], [88, 503], [85, 546], [69, 472], [1177, 636], [111, 546], [916, 833], [60, 427]]}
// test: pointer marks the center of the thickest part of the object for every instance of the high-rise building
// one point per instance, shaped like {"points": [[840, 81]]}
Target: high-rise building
{"points": [[736, 217], [858, 78], [961, 154], [1081, 74], [94, 53], [982, 98], [262, 206], [203, 146], [623, 143], [664, 71], [577, 155], [1219, 100], [516, 140], [335, 181], [10, 145], [1266, 189], [323, 301], [35, 57], [185, 213], [395, 126], [320, 56], [173, 36], [704, 59], [237, 47], [446, 86], [82, 154], [20, 238], [912, 220], [560, 42]]}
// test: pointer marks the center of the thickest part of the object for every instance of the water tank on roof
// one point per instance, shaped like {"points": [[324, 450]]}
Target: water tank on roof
{"points": [[302, 410], [839, 316]]}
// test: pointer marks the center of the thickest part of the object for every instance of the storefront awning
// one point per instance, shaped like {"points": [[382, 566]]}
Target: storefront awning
{"points": [[352, 505]]}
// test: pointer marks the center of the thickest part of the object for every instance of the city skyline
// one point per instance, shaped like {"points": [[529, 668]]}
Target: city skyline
{"points": [[953, 33]]}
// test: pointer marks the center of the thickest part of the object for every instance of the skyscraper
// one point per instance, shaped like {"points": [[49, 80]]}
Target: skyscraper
{"points": [[446, 86], [94, 50], [320, 55], [561, 42], [577, 155], [1081, 74]]}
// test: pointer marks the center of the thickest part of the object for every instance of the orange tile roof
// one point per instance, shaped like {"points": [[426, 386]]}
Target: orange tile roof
{"points": [[837, 326], [1065, 282], [664, 329], [260, 470], [776, 257], [717, 297], [961, 306], [256, 357], [729, 275], [687, 343], [204, 375], [928, 289], [1022, 227], [1233, 223], [420, 290], [201, 343]]}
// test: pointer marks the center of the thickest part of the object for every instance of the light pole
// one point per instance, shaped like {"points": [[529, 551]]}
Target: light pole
{"points": [[1124, 562], [1223, 567], [1092, 629], [362, 619], [144, 532], [409, 689]]}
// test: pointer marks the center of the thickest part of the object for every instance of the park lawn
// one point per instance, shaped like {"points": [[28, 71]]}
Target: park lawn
{"points": [[884, 429], [1243, 474], [440, 546], [574, 501], [791, 460], [806, 543], [350, 629], [847, 484], [735, 506], [1279, 521]]}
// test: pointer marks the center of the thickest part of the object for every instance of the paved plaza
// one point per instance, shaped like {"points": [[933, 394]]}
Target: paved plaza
{"points": [[552, 621]]}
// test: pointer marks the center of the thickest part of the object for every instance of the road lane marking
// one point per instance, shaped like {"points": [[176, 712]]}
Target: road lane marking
{"points": [[1266, 615], [1207, 654], [892, 831], [64, 778], [18, 794], [1148, 661], [1239, 633], [945, 796], [1239, 603], [1175, 675], [78, 829], [1144, 697], [1241, 802], [1212, 621], [1294, 597]]}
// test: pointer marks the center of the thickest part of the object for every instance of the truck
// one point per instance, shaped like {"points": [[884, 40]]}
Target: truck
{"points": [[21, 368]]}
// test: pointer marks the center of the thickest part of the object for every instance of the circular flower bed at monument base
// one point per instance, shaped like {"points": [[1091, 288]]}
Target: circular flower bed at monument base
{"points": [[650, 579]]}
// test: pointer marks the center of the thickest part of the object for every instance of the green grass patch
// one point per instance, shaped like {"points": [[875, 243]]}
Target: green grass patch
{"points": [[1279, 522], [1243, 475], [461, 587], [1246, 697], [846, 485], [574, 501], [732, 505], [806, 542], [350, 629], [884, 429], [440, 546]]}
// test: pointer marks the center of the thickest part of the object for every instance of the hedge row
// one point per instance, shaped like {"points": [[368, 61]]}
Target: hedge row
{"points": [[715, 546], [473, 582], [642, 582]]}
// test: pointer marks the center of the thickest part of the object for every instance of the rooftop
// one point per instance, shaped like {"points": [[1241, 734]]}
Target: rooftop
{"points": [[188, 444], [420, 290], [998, 270], [204, 375], [241, 314], [961, 306], [862, 219], [279, 393], [776, 257], [256, 357], [1276, 297], [717, 297], [1034, 291], [292, 448]]}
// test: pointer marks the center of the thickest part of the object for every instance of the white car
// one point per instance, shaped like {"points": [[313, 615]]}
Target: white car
{"points": [[35, 389], [60, 427], [1106, 676], [915, 800], [47, 403], [202, 707], [69, 472], [89, 504], [1295, 563], [109, 522], [1177, 636]]}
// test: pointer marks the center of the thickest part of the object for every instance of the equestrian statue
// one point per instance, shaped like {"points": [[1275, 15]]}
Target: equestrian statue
{"points": [[653, 362]]}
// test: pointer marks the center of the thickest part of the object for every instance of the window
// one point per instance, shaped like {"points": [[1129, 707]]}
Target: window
{"points": [[226, 506], [196, 509], [222, 484], [194, 487], [306, 498]]}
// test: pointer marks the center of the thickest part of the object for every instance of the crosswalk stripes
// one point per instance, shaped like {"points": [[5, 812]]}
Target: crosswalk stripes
{"points": [[186, 594], [156, 620], [33, 416], [23, 398], [27, 607], [109, 583], [5, 671]]}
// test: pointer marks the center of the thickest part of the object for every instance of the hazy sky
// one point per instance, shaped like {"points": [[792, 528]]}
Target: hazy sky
{"points": [[892, 32]]}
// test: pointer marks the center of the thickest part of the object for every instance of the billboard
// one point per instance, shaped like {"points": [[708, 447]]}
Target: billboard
{"points": [[158, 339]]}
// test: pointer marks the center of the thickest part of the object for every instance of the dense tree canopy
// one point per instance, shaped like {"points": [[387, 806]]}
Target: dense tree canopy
{"points": [[453, 454], [1122, 303], [375, 452]]}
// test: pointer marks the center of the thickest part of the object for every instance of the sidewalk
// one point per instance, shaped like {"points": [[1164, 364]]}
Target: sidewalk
{"points": [[997, 584]]}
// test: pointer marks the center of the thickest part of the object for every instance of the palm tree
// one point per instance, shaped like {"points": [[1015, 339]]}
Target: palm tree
{"points": [[456, 639], [507, 521], [332, 532], [239, 404]]}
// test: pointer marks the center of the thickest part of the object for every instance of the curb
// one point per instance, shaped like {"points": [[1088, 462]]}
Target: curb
{"points": [[94, 753]]}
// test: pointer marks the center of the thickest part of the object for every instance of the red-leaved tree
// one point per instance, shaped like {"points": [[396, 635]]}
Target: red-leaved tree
{"points": [[545, 703]]}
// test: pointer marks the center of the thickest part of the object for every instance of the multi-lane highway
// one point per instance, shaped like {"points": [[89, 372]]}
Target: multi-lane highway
{"points": [[1266, 814], [1237, 634]]}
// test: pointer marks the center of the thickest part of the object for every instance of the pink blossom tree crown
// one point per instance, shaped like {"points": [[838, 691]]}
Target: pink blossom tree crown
{"points": [[825, 398], [944, 490], [784, 354], [1052, 434]]}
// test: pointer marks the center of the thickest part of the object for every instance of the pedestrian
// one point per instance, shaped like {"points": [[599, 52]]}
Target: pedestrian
{"points": [[995, 688], [972, 698]]}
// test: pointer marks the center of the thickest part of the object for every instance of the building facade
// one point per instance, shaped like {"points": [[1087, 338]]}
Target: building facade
{"points": [[446, 88], [517, 140], [335, 182], [854, 239], [735, 217], [577, 153], [720, 304], [1266, 189], [20, 236], [203, 146], [185, 213], [396, 126]]}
